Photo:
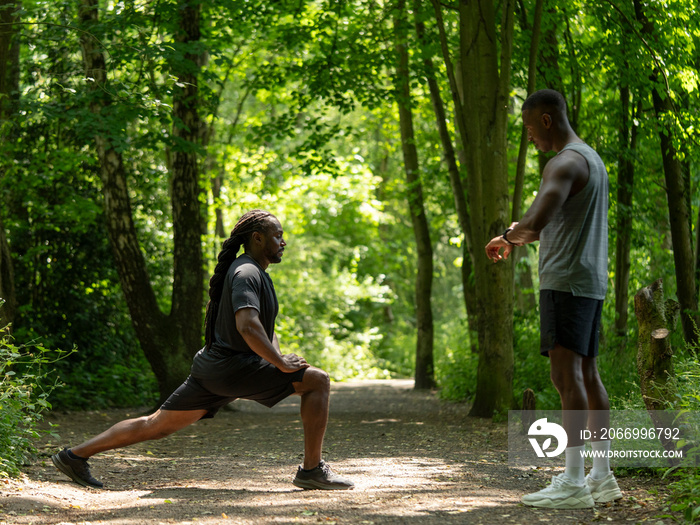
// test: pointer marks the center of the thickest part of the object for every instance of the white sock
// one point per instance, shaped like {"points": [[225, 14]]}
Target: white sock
{"points": [[601, 465], [574, 464]]}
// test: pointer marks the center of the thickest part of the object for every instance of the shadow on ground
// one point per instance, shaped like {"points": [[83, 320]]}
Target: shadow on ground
{"points": [[413, 458]]}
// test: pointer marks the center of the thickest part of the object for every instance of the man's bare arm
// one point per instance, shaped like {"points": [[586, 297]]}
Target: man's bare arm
{"points": [[563, 177], [251, 329]]}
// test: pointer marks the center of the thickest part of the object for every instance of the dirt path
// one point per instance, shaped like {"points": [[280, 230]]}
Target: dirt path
{"points": [[414, 460]]}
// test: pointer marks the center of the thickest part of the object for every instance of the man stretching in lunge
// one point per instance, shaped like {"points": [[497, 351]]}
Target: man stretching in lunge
{"points": [[569, 218], [241, 359]]}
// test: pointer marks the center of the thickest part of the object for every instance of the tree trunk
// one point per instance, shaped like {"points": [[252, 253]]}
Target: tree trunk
{"points": [[168, 341], [548, 61], [531, 83], [188, 274], [481, 115], [574, 98], [681, 236], [424, 375], [697, 254], [625, 191], [8, 308], [455, 178], [487, 91], [9, 98], [676, 190], [523, 273]]}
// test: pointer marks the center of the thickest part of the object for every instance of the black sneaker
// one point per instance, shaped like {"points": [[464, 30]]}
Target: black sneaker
{"points": [[76, 469], [321, 477]]}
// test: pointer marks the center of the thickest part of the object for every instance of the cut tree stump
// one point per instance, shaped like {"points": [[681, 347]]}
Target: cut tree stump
{"points": [[528, 410], [654, 352], [655, 356]]}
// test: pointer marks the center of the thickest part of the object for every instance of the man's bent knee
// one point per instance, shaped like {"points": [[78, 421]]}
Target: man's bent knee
{"points": [[314, 379]]}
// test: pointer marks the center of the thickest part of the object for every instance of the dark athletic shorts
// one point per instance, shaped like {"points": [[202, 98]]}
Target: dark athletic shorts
{"points": [[571, 321], [217, 380]]}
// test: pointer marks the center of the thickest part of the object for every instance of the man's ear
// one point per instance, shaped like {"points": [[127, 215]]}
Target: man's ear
{"points": [[546, 120], [256, 237]]}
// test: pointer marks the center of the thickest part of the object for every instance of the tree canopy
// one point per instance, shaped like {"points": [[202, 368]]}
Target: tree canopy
{"points": [[387, 138]]}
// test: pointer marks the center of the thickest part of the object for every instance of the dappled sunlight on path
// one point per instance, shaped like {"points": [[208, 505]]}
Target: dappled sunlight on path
{"points": [[413, 458]]}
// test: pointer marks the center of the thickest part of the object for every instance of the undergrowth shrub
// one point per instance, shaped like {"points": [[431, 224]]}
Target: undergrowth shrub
{"points": [[685, 491], [26, 385]]}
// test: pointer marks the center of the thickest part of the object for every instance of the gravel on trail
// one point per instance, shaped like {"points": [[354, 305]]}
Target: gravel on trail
{"points": [[414, 460]]}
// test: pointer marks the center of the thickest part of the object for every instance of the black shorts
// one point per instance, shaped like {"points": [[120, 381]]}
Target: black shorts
{"points": [[217, 380], [570, 321]]}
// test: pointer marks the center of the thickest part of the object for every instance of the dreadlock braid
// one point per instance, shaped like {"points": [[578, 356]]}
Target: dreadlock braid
{"points": [[252, 221]]}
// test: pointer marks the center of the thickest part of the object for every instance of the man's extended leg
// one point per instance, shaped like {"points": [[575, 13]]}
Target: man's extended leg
{"points": [[315, 389], [158, 425], [161, 423]]}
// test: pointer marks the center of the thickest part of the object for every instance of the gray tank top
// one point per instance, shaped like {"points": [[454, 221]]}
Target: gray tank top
{"points": [[574, 244]]}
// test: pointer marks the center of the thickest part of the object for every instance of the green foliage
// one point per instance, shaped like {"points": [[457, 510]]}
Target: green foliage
{"points": [[455, 365], [685, 491], [685, 494], [297, 101], [332, 299], [27, 382], [531, 369], [332, 324], [68, 291]]}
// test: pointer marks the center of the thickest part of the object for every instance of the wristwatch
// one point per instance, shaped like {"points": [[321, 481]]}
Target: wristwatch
{"points": [[506, 238]]}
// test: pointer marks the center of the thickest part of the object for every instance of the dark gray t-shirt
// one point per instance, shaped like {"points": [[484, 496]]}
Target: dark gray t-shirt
{"points": [[247, 285]]}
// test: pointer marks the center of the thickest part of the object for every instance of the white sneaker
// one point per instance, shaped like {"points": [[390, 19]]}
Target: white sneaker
{"points": [[561, 494], [604, 490]]}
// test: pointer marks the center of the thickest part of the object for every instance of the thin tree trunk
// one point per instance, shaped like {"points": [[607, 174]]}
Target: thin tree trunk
{"points": [[8, 308], [523, 273], [531, 83], [455, 177], [697, 255], [9, 98], [188, 274], [167, 341], [219, 177], [548, 69], [424, 375], [574, 105], [676, 191], [625, 191], [457, 95], [681, 236]]}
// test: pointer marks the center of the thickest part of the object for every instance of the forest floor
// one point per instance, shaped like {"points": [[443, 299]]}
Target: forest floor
{"points": [[414, 460]]}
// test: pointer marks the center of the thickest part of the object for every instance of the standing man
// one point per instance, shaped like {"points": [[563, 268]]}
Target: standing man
{"points": [[569, 218], [241, 359]]}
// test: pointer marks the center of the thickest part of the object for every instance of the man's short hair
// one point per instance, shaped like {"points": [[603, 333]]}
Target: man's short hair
{"points": [[548, 100]]}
